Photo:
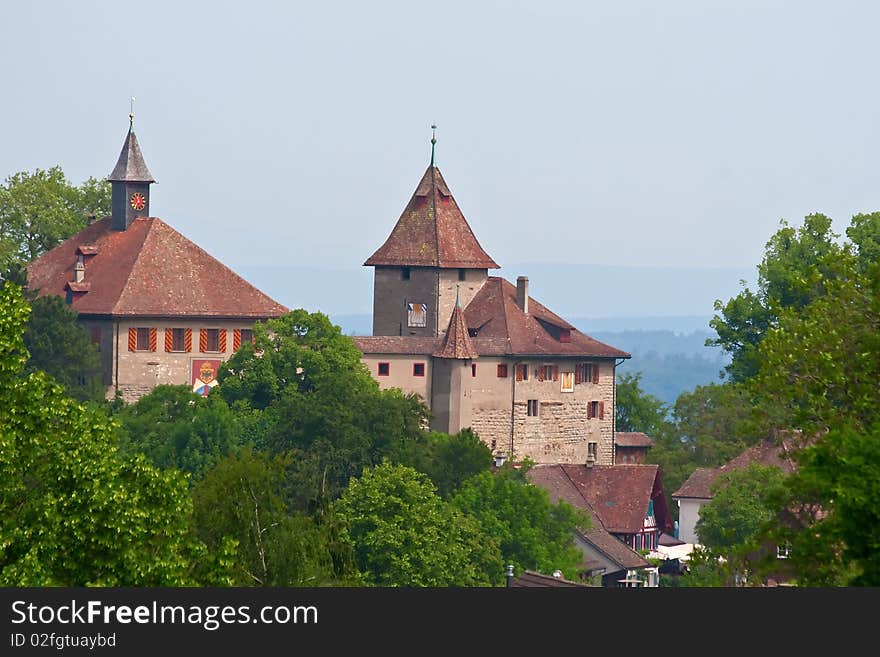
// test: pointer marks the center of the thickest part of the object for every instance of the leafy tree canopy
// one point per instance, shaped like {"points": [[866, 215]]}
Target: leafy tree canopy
{"points": [[40, 210], [72, 512], [532, 533], [404, 534], [449, 460]]}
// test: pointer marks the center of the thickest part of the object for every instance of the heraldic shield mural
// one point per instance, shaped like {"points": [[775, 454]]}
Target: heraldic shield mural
{"points": [[204, 375]]}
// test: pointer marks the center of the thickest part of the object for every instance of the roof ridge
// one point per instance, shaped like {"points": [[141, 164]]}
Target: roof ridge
{"points": [[586, 501]]}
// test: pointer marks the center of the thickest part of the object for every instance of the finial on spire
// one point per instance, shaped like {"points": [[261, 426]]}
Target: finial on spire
{"points": [[433, 141], [131, 116], [457, 300]]}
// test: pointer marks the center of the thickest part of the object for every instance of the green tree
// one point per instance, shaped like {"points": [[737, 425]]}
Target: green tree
{"points": [[72, 512], [833, 500], [243, 498], [303, 389], [40, 210], [449, 460], [797, 265], [405, 535], [742, 509], [63, 349], [532, 533], [176, 428], [636, 410]]}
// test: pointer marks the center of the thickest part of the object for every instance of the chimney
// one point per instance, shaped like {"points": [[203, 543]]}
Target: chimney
{"points": [[79, 270], [509, 575], [522, 293]]}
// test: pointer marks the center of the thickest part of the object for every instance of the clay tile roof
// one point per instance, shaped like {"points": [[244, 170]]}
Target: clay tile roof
{"points": [[130, 166], [530, 578], [87, 249], [767, 452], [396, 344], [614, 548], [503, 328], [617, 495], [632, 439], [82, 286], [148, 270], [456, 343], [432, 232]]}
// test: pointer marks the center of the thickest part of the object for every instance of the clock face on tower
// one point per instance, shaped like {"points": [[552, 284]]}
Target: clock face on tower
{"points": [[138, 201]]}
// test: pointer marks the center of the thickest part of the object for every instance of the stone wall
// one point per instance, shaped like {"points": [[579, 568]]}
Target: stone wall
{"points": [[391, 293]]}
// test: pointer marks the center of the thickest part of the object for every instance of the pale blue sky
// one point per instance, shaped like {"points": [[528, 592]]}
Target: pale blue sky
{"points": [[673, 134]]}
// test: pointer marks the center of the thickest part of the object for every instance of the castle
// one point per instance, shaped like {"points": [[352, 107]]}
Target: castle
{"points": [[477, 348]]}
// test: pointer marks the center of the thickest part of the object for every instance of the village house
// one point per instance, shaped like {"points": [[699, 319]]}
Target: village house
{"points": [[159, 308], [627, 510], [478, 349]]}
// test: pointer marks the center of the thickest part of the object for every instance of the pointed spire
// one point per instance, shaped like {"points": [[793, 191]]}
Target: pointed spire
{"points": [[433, 142], [130, 167], [457, 343], [457, 298]]}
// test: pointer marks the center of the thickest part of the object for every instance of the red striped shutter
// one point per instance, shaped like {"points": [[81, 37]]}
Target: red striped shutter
{"points": [[203, 340], [601, 410], [169, 339], [153, 339], [132, 339], [541, 371], [188, 339], [595, 373], [222, 340], [519, 372], [236, 339]]}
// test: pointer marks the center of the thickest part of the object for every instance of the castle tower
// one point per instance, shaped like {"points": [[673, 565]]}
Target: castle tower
{"points": [[130, 183], [452, 403], [429, 255]]}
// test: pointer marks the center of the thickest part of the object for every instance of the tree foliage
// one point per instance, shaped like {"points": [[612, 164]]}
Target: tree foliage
{"points": [[531, 532], [449, 460], [72, 512], [243, 499], [405, 535], [40, 210], [176, 428], [63, 349]]}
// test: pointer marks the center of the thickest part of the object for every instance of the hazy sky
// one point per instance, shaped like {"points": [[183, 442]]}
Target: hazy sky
{"points": [[672, 134]]}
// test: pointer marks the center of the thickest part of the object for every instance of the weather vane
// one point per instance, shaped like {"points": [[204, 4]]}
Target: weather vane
{"points": [[131, 115], [433, 141]]}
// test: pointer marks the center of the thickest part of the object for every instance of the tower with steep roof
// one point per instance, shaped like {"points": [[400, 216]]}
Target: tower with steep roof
{"points": [[430, 252], [130, 183]]}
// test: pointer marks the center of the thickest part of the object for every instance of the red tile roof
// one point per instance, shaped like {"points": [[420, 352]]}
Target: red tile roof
{"points": [[632, 439], [767, 452], [148, 270], [496, 316], [530, 578], [617, 494], [456, 343], [396, 344], [432, 232]]}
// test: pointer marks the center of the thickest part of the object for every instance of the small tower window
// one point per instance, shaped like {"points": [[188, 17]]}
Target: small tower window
{"points": [[384, 369], [404, 273], [462, 274], [418, 369]]}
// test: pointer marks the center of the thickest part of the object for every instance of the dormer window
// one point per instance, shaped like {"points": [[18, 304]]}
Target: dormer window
{"points": [[565, 335], [404, 273]]}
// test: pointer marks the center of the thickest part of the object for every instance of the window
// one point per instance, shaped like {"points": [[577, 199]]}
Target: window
{"points": [[384, 369], [404, 273], [143, 339], [596, 409], [178, 339], [247, 335], [462, 274], [473, 369], [568, 382], [96, 337], [783, 551], [416, 314], [592, 451], [212, 340], [532, 408], [548, 373], [418, 369], [502, 370], [586, 373], [522, 372], [565, 335]]}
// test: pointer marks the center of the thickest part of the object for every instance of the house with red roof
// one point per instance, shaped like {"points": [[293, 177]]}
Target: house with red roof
{"points": [[160, 309], [627, 510], [479, 349]]}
